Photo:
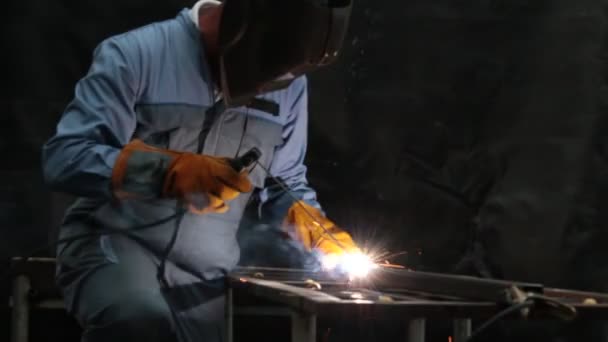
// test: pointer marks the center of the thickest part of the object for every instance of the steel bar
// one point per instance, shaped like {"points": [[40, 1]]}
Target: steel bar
{"points": [[576, 296], [455, 286], [229, 312], [465, 287], [55, 304], [21, 307], [417, 330], [462, 329], [289, 275], [261, 311], [303, 327], [436, 284]]}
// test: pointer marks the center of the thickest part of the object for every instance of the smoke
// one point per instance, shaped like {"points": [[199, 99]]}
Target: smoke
{"points": [[266, 245]]}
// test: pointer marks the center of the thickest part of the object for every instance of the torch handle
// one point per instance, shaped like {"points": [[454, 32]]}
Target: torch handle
{"points": [[246, 160]]}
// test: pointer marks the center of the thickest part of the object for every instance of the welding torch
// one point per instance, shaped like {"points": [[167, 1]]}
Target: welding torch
{"points": [[238, 164], [357, 265], [246, 160]]}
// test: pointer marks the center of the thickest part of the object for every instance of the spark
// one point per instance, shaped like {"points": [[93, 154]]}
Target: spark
{"points": [[355, 265], [389, 265], [392, 255]]}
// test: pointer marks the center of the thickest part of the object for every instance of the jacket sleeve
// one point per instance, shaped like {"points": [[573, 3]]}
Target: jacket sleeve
{"points": [[100, 119], [288, 162]]}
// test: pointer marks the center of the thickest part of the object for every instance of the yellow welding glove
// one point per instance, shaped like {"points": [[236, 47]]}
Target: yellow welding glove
{"points": [[306, 224], [204, 183]]}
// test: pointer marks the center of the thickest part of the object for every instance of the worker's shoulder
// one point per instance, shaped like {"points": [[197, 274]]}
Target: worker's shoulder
{"points": [[293, 92], [151, 38], [299, 84], [288, 99]]}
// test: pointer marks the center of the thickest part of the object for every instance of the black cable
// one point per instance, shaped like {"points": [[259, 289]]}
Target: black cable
{"points": [[179, 216], [161, 270], [498, 317], [97, 233], [238, 150], [554, 306], [108, 230]]}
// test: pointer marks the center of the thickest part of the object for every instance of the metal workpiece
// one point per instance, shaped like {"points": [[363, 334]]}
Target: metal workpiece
{"points": [[289, 275], [421, 284], [456, 286], [414, 298], [336, 302]]}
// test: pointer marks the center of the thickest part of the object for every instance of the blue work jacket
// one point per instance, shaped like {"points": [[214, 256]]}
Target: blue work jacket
{"points": [[154, 84]]}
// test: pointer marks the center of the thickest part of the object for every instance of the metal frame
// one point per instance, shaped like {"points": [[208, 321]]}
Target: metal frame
{"points": [[29, 274], [307, 306], [20, 315], [462, 329], [416, 297], [416, 331], [303, 327], [318, 302]]}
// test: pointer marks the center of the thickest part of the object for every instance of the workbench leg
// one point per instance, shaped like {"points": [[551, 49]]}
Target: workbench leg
{"points": [[462, 329], [303, 327], [21, 307], [229, 312], [416, 330]]}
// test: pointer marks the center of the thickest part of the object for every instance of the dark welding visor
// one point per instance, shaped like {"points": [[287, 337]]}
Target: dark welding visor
{"points": [[266, 44]]}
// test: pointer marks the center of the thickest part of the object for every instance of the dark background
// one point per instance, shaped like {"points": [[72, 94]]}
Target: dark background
{"points": [[469, 134]]}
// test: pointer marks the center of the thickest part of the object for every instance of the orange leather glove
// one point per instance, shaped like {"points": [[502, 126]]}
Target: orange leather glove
{"points": [[202, 182], [308, 230]]}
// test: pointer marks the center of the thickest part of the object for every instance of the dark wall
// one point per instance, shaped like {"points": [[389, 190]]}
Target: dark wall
{"points": [[49, 47], [456, 126], [454, 130]]}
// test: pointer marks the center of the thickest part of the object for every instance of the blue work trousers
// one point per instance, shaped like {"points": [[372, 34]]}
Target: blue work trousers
{"points": [[110, 285]]}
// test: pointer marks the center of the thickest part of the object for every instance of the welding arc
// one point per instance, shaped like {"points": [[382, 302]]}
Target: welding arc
{"points": [[297, 201]]}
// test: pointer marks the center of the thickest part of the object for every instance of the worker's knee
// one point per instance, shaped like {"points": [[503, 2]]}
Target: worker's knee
{"points": [[136, 317]]}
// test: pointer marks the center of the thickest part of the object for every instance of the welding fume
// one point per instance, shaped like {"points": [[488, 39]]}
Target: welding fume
{"points": [[177, 128]]}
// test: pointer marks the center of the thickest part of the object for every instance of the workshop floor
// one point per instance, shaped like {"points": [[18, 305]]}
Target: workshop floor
{"points": [[58, 326]]}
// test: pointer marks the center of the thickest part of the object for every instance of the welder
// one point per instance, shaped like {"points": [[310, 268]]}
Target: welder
{"points": [[147, 145]]}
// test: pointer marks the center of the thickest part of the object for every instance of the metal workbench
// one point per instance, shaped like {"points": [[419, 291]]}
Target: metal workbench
{"points": [[404, 296], [417, 298]]}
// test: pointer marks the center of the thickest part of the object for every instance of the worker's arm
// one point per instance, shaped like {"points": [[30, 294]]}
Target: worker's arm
{"points": [[92, 154], [288, 162], [301, 214], [98, 122]]}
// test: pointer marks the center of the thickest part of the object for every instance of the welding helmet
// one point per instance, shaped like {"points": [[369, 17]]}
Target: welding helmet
{"points": [[265, 44]]}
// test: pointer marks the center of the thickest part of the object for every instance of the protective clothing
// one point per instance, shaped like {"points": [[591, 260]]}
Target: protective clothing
{"points": [[281, 41], [310, 226], [121, 299], [204, 183], [152, 84]]}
